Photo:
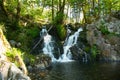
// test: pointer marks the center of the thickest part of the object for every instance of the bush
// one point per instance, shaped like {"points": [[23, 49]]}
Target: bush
{"points": [[33, 32], [94, 51], [104, 30], [12, 53]]}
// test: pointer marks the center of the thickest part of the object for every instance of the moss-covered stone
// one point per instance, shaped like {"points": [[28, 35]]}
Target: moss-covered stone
{"points": [[61, 31]]}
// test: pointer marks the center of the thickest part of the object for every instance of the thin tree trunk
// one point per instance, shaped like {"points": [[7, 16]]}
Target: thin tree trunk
{"points": [[99, 8], [60, 13], [18, 13], [43, 5], [93, 4], [3, 7], [85, 20], [52, 10]]}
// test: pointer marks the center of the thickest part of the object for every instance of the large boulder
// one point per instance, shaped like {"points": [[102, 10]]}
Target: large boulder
{"points": [[40, 68], [4, 45], [107, 43], [8, 70]]}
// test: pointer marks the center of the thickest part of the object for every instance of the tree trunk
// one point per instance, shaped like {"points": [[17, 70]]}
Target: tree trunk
{"points": [[52, 10], [18, 14], [99, 7], [43, 5], [3, 7], [60, 13], [84, 13]]}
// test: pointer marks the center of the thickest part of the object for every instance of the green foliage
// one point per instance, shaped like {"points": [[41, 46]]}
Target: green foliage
{"points": [[11, 5], [12, 53], [24, 36], [104, 29], [29, 58], [94, 51], [87, 49], [2, 27], [33, 32], [61, 31], [59, 18]]}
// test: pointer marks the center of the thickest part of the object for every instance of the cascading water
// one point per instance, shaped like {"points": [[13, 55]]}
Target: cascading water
{"points": [[48, 44], [69, 42]]}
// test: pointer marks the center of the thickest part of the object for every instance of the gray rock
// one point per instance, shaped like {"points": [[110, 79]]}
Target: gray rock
{"points": [[109, 45], [12, 43]]}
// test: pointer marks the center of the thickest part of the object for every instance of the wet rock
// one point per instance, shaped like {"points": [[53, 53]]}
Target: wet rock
{"points": [[79, 54], [40, 68], [14, 43]]}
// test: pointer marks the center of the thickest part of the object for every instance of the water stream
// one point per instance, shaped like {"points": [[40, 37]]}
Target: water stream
{"points": [[70, 41], [72, 70], [84, 71], [48, 44]]}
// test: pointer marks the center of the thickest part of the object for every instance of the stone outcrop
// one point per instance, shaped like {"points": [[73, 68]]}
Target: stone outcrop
{"points": [[108, 44], [4, 45], [40, 68], [8, 70]]}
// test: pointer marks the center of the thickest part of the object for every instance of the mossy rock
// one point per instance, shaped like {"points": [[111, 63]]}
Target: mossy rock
{"points": [[61, 31]]}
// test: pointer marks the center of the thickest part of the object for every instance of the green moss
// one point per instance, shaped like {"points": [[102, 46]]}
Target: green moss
{"points": [[2, 26], [12, 53], [104, 29], [87, 49], [61, 32], [29, 58], [94, 51]]}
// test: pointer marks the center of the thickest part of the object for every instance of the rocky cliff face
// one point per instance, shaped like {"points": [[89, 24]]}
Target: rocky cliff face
{"points": [[105, 34], [8, 70], [4, 45]]}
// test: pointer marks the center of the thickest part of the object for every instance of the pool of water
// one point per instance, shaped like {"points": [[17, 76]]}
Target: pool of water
{"points": [[84, 71]]}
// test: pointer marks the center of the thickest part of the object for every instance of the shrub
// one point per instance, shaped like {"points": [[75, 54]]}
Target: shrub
{"points": [[104, 30], [12, 53], [33, 32], [94, 51]]}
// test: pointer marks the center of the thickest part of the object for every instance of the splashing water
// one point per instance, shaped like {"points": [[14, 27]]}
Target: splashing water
{"points": [[48, 45], [69, 42]]}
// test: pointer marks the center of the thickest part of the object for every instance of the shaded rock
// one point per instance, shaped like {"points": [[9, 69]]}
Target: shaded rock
{"points": [[16, 74], [108, 45], [40, 68], [8, 70], [14, 43], [79, 54]]}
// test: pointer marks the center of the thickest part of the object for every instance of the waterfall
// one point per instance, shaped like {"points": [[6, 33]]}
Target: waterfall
{"points": [[48, 44], [69, 42]]}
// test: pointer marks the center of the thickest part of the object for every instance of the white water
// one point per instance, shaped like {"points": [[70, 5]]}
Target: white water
{"points": [[48, 45], [69, 42]]}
